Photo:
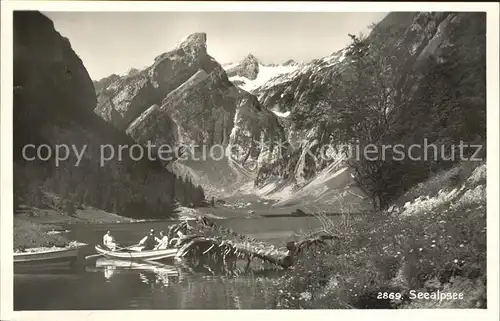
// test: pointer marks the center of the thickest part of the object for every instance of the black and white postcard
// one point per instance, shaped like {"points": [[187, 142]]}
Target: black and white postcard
{"points": [[161, 159]]}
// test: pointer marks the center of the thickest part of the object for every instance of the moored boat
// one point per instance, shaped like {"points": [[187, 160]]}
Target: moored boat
{"points": [[135, 254], [49, 257]]}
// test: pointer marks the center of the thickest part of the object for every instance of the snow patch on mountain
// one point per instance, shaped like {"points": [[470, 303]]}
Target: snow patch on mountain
{"points": [[310, 68], [266, 73], [280, 114]]}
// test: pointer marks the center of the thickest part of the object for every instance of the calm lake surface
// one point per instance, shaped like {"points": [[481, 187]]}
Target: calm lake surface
{"points": [[109, 284]]}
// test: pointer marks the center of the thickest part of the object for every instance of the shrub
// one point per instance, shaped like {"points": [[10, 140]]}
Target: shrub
{"points": [[381, 253]]}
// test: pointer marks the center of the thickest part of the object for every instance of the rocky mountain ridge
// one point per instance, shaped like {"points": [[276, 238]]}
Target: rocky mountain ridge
{"points": [[417, 44], [261, 107], [186, 99], [251, 73]]}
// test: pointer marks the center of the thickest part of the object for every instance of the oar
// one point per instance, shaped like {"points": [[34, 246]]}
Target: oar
{"points": [[88, 257], [158, 264], [101, 254], [127, 248]]}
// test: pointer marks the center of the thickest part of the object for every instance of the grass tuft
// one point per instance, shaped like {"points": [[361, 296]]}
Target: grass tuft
{"points": [[31, 235]]}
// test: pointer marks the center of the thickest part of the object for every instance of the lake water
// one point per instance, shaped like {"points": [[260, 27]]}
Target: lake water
{"points": [[108, 284]]}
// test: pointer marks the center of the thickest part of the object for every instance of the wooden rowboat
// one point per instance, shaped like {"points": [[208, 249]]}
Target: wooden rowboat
{"points": [[47, 258], [136, 254]]}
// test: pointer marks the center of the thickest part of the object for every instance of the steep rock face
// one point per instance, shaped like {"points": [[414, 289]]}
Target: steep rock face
{"points": [[105, 82], [185, 99], [257, 136], [54, 100], [198, 112], [291, 93], [418, 41], [49, 64], [133, 94], [248, 68], [154, 126], [202, 112], [44, 64], [302, 87]]}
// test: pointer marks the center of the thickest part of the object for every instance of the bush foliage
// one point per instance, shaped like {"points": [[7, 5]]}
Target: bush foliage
{"points": [[394, 253]]}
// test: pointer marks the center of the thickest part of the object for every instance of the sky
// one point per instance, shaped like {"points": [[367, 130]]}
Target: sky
{"points": [[114, 42]]}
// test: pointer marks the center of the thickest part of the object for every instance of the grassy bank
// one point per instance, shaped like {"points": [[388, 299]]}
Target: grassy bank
{"points": [[434, 238], [31, 235], [79, 215], [39, 227]]}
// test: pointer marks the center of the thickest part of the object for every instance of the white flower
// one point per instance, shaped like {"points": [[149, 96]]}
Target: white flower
{"points": [[455, 261], [305, 296]]}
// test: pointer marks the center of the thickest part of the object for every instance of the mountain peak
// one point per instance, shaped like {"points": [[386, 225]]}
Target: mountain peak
{"points": [[196, 42], [250, 58], [248, 67]]}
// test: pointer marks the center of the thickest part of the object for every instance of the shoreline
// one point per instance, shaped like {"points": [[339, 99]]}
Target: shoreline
{"points": [[90, 215], [86, 215], [36, 229], [45, 249]]}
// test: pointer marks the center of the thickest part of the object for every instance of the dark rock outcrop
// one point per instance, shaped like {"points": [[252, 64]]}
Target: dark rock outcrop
{"points": [[49, 62], [257, 133], [54, 99]]}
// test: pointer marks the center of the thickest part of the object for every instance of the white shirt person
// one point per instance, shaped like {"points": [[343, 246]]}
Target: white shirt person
{"points": [[109, 241], [163, 242]]}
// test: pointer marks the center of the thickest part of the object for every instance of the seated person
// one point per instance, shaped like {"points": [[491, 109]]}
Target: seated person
{"points": [[108, 241], [163, 244], [149, 241]]}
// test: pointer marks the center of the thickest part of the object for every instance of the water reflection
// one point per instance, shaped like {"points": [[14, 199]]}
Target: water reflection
{"points": [[109, 285], [150, 273], [112, 284], [109, 271], [183, 286]]}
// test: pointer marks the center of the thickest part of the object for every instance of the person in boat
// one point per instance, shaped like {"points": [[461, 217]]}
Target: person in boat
{"points": [[149, 241], [108, 241], [163, 244]]}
